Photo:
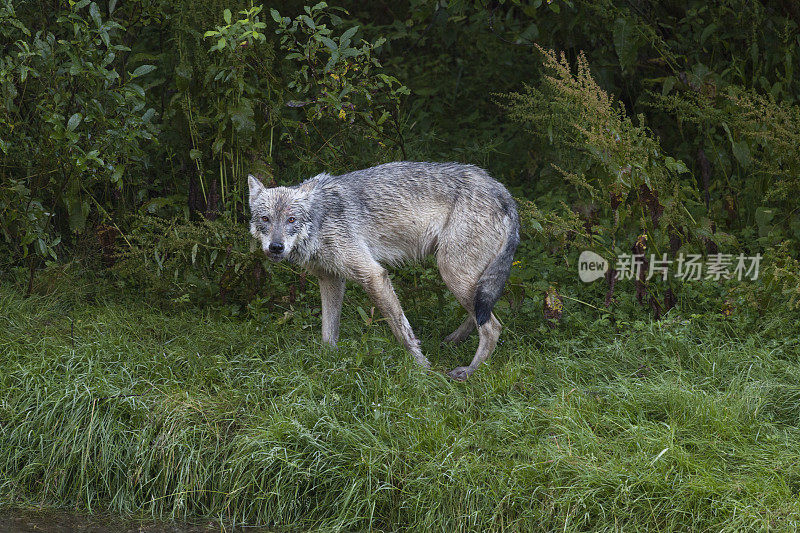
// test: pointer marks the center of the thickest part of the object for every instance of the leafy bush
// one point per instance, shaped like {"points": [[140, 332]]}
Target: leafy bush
{"points": [[164, 107], [226, 100], [778, 286], [752, 140], [634, 197], [73, 127], [351, 107], [196, 262]]}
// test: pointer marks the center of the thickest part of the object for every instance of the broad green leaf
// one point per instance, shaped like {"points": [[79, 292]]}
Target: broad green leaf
{"points": [[711, 28], [141, 70], [73, 121], [78, 211], [183, 75], [741, 150], [669, 83], [764, 216], [346, 36], [332, 61], [227, 16], [242, 117], [625, 42], [94, 12], [529, 34], [777, 87], [218, 145], [137, 89], [117, 174], [728, 131], [327, 41], [754, 55], [94, 155]]}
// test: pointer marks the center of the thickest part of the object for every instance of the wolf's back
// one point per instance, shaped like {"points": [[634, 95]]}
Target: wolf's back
{"points": [[410, 186], [405, 210]]}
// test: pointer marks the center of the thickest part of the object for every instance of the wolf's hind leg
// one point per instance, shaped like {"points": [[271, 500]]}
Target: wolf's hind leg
{"points": [[331, 290], [461, 277], [462, 332], [379, 287], [489, 332]]}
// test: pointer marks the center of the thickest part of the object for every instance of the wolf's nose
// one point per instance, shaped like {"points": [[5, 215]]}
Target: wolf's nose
{"points": [[276, 247]]}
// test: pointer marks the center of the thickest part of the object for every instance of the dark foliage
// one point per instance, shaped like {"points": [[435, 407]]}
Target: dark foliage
{"points": [[680, 121]]}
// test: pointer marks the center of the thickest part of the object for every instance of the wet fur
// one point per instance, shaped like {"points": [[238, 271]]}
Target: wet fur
{"points": [[350, 226]]}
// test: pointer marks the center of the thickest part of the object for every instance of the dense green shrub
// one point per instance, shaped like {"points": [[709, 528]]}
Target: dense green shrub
{"points": [[225, 99], [74, 125], [634, 197], [752, 141], [351, 108], [204, 261], [112, 111]]}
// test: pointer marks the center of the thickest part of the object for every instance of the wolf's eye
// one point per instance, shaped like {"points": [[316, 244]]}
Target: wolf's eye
{"points": [[290, 220], [265, 218]]}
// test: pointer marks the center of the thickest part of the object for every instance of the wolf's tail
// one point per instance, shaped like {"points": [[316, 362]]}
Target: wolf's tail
{"points": [[493, 280]]}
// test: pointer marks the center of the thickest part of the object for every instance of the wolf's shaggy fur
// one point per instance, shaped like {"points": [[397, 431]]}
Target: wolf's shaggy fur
{"points": [[349, 226]]}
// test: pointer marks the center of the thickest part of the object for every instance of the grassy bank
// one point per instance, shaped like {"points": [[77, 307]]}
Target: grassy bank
{"points": [[689, 423]]}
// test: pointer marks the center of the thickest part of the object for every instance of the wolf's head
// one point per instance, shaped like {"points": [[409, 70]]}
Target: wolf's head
{"points": [[280, 217]]}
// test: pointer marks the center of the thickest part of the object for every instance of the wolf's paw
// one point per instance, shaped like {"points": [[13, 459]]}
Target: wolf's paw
{"points": [[422, 361], [461, 373]]}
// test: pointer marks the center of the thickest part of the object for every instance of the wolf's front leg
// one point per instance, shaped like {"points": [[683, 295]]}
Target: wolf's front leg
{"points": [[377, 284], [331, 290]]}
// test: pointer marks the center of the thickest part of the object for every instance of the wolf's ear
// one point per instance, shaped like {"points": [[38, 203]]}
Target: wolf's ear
{"points": [[256, 187], [310, 184]]}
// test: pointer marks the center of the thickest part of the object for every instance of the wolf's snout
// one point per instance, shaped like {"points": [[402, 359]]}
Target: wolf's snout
{"points": [[276, 247]]}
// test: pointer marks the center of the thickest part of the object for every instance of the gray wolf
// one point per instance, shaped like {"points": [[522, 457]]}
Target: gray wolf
{"points": [[352, 226]]}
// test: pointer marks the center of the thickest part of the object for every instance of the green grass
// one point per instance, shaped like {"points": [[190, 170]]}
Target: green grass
{"points": [[683, 424]]}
